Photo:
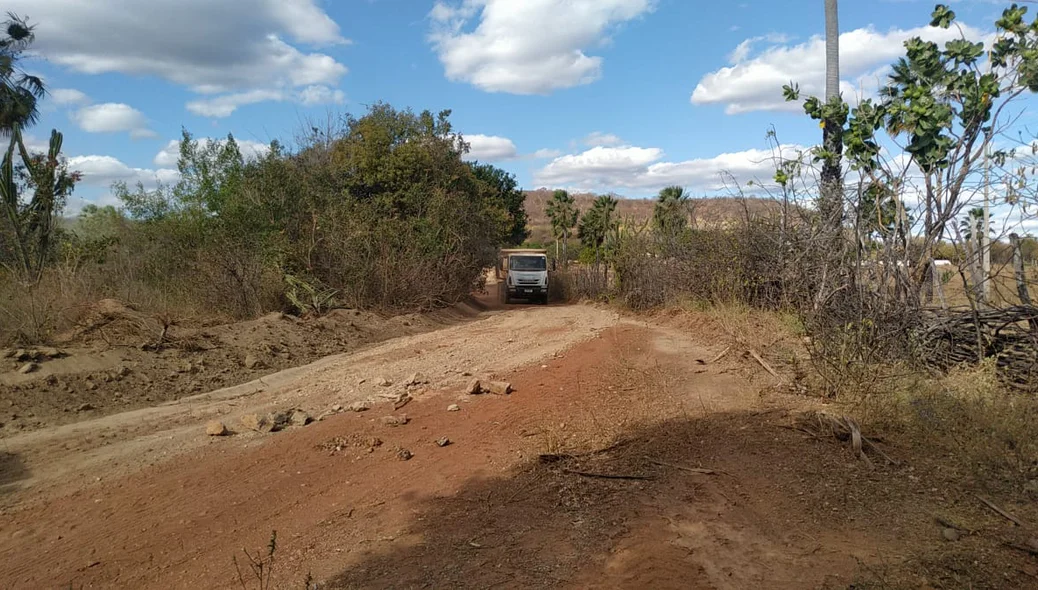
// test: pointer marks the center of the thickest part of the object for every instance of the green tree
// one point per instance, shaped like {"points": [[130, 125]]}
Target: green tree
{"points": [[597, 224], [945, 105], [19, 91], [670, 214], [562, 213], [505, 189]]}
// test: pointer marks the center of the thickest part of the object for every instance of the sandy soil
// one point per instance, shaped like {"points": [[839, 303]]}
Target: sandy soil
{"points": [[584, 477]]}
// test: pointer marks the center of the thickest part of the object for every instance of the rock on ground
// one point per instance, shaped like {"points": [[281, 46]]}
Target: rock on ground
{"points": [[454, 408], [252, 362], [360, 406], [442, 442], [28, 368], [300, 418], [499, 387], [404, 455], [215, 428], [395, 420], [474, 387], [256, 422]]}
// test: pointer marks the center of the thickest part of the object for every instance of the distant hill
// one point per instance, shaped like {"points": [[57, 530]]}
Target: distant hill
{"points": [[707, 211]]}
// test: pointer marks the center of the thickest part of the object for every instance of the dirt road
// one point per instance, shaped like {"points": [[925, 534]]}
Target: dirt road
{"points": [[623, 459]]}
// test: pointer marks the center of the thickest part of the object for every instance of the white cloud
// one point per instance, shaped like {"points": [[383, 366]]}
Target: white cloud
{"points": [[210, 46], [170, 154], [754, 80], [318, 95], [490, 148], [644, 169], [225, 105], [102, 171], [112, 117], [598, 138], [527, 47], [545, 153], [67, 96]]}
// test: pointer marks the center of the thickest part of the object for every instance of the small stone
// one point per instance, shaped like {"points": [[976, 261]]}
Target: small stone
{"points": [[279, 420], [360, 406], [28, 368], [454, 408], [51, 380], [950, 534], [84, 408], [7, 353], [300, 418], [215, 428], [383, 382], [404, 455], [337, 408], [123, 371], [373, 442], [256, 422], [442, 442], [91, 386], [466, 373], [22, 355], [474, 387], [50, 352], [252, 362], [395, 420], [416, 379], [361, 381], [499, 387], [1031, 486]]}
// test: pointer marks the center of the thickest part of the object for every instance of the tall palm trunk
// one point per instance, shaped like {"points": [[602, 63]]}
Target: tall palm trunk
{"points": [[830, 202], [831, 206]]}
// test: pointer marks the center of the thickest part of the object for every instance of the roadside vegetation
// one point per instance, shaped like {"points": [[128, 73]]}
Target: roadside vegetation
{"points": [[943, 354], [377, 211]]}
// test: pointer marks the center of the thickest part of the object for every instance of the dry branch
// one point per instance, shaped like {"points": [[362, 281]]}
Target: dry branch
{"points": [[607, 475], [766, 366], [1003, 513]]}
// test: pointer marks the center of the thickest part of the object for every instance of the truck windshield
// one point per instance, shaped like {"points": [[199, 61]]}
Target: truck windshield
{"points": [[528, 263]]}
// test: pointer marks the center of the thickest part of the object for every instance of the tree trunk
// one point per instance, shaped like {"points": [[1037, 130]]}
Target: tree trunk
{"points": [[1018, 269], [831, 205]]}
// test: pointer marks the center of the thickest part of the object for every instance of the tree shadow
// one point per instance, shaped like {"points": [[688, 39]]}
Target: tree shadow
{"points": [[636, 514]]}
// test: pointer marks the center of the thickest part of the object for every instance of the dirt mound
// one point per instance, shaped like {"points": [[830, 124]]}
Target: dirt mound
{"points": [[118, 358]]}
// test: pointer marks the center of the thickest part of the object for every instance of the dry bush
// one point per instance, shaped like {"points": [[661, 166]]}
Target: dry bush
{"points": [[580, 282], [989, 429]]}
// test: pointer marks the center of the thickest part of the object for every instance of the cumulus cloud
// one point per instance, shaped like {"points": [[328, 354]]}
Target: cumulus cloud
{"points": [[213, 47], [644, 169], [528, 47], [102, 171], [490, 148], [67, 96], [112, 117], [545, 153], [754, 80], [597, 138], [170, 154]]}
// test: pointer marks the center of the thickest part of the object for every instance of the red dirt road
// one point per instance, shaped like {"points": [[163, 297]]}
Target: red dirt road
{"points": [[781, 511]]}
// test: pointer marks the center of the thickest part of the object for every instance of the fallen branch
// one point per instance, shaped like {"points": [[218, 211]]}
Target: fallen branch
{"points": [[720, 356], [1024, 548], [606, 475], [1005, 514], [766, 366], [699, 470]]}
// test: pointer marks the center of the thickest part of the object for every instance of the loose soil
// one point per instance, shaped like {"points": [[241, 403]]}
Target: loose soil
{"points": [[584, 477]]}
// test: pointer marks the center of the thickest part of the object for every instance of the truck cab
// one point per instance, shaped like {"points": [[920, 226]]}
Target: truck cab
{"points": [[523, 274]]}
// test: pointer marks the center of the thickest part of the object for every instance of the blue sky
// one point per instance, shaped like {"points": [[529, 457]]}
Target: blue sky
{"points": [[604, 95]]}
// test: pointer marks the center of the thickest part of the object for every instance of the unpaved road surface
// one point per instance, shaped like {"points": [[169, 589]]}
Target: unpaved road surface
{"points": [[623, 459]]}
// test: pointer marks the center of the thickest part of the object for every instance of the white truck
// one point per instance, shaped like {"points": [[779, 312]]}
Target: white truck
{"points": [[523, 274]]}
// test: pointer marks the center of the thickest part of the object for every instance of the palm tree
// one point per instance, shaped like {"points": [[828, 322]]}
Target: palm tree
{"points": [[669, 216], [562, 212], [596, 224], [832, 131], [19, 91]]}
